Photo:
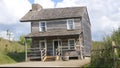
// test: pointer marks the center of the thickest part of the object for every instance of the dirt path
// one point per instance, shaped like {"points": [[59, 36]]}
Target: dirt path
{"points": [[70, 63]]}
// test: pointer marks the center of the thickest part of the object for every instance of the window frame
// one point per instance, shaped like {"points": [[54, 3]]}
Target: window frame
{"points": [[45, 43], [69, 43], [68, 25], [40, 26]]}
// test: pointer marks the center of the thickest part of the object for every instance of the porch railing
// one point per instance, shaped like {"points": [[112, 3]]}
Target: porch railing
{"points": [[72, 51], [58, 53], [33, 52], [41, 53]]}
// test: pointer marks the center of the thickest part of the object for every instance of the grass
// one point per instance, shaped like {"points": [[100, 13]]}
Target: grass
{"points": [[11, 52], [4, 59], [18, 57], [7, 46], [86, 66]]}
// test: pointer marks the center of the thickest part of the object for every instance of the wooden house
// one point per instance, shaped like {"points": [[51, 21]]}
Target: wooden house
{"points": [[58, 32]]}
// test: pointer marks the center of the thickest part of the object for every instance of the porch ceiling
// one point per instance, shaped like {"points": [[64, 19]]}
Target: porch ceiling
{"points": [[54, 33]]}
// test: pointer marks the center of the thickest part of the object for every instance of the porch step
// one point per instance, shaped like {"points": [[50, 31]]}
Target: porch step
{"points": [[46, 58]]}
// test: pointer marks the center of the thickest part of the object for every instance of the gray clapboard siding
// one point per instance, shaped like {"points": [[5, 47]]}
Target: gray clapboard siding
{"points": [[86, 34], [55, 25], [35, 26], [77, 23]]}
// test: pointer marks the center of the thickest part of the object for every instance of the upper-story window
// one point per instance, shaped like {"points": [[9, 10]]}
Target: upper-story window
{"points": [[70, 24], [42, 26]]}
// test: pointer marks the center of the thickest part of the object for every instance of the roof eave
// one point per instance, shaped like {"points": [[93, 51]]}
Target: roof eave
{"points": [[25, 20], [22, 20], [50, 35]]}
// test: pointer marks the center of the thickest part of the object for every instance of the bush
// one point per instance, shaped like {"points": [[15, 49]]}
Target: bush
{"points": [[104, 58]]}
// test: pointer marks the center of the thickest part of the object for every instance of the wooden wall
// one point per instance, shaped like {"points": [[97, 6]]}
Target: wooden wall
{"points": [[86, 34], [34, 26], [60, 25], [49, 41], [55, 25]]}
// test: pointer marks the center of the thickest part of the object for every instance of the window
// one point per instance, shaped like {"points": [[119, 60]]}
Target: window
{"points": [[71, 43], [42, 44], [42, 26], [70, 24]]}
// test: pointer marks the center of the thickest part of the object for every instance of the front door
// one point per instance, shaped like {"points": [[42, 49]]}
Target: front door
{"points": [[56, 44]]}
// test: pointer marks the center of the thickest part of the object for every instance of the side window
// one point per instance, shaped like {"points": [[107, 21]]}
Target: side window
{"points": [[71, 43], [70, 24], [42, 26]]}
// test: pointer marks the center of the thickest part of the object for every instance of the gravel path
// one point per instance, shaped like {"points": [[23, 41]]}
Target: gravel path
{"points": [[70, 63]]}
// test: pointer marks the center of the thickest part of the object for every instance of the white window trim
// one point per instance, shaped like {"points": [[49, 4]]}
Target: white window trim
{"points": [[69, 44], [73, 24], [44, 42], [40, 26]]}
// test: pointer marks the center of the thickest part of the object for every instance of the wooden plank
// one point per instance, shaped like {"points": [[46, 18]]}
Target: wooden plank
{"points": [[34, 57], [48, 57], [53, 25], [26, 58], [35, 26]]}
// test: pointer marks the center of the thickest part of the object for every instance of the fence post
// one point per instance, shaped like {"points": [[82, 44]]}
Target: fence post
{"points": [[114, 53]]}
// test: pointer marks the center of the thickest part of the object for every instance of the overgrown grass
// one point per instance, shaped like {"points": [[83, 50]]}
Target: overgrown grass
{"points": [[5, 59], [104, 58], [11, 52], [18, 57], [7, 46]]}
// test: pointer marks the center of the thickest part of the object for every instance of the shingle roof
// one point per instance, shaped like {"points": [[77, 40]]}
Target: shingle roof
{"points": [[54, 13], [54, 33]]}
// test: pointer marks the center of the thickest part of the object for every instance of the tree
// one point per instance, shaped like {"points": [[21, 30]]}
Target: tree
{"points": [[22, 40], [105, 57]]}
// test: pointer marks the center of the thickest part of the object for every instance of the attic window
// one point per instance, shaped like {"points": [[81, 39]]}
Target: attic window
{"points": [[42, 26], [70, 24]]}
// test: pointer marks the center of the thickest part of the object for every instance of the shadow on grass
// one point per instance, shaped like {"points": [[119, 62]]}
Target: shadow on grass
{"points": [[18, 57]]}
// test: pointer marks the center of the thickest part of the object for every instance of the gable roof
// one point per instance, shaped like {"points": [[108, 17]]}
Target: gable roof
{"points": [[54, 13]]}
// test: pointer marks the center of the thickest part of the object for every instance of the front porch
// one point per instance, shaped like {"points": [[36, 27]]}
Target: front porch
{"points": [[56, 48]]}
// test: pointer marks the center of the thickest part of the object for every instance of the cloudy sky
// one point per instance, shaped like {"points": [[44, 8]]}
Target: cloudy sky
{"points": [[104, 15]]}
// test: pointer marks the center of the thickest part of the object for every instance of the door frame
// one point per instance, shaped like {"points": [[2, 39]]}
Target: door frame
{"points": [[54, 45], [44, 42]]}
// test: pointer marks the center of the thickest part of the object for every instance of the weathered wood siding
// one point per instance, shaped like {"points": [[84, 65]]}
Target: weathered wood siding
{"points": [[55, 25], [49, 42], [86, 34], [34, 26]]}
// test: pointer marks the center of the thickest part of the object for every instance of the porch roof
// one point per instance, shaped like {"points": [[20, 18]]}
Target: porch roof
{"points": [[54, 33]]}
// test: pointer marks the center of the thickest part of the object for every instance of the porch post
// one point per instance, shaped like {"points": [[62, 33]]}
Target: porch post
{"points": [[81, 55], [26, 59]]}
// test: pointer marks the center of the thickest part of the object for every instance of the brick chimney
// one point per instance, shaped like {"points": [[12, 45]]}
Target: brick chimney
{"points": [[36, 7]]}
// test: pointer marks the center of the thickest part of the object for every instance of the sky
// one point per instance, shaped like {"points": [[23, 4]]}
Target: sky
{"points": [[104, 15]]}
